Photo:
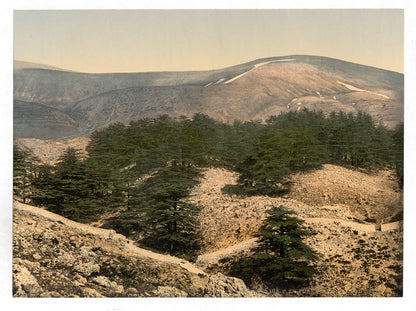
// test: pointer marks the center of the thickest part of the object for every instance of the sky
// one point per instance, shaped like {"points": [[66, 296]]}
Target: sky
{"points": [[177, 40]]}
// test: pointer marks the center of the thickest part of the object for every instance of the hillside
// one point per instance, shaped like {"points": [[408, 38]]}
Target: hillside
{"points": [[35, 120], [356, 259], [49, 151], [250, 91], [227, 220], [199, 189], [56, 257]]}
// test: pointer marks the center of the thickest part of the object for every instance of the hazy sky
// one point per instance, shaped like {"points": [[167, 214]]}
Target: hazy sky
{"points": [[156, 40]]}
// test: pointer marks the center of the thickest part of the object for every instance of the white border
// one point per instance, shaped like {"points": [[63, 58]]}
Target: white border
{"points": [[6, 35]]}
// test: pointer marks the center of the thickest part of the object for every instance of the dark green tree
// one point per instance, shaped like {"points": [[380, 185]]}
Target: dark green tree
{"points": [[279, 152], [398, 152], [44, 191], [23, 166], [169, 222], [282, 258], [75, 189]]}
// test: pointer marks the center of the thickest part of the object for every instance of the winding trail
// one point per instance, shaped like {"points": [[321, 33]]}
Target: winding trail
{"points": [[202, 260], [236, 249], [124, 243], [233, 250]]}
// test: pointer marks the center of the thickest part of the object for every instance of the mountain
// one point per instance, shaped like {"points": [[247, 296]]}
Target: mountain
{"points": [[250, 91], [17, 64], [35, 120]]}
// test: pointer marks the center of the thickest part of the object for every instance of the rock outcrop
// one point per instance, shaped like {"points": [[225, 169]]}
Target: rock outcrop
{"points": [[52, 257]]}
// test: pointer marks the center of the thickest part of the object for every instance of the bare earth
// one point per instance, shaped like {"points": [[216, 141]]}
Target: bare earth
{"points": [[356, 258], [56, 257], [375, 196], [349, 211], [328, 194], [49, 151]]}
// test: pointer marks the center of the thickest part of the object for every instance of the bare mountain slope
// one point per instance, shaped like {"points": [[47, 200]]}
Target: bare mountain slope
{"points": [[254, 90], [34, 120]]}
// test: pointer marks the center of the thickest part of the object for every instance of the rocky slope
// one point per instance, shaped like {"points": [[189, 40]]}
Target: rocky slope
{"points": [[49, 151], [56, 257], [374, 196], [250, 91], [357, 258], [34, 120], [329, 195]]}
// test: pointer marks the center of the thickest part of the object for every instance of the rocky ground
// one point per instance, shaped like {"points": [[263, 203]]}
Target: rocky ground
{"points": [[372, 196], [357, 258], [49, 151], [55, 257], [229, 219]]}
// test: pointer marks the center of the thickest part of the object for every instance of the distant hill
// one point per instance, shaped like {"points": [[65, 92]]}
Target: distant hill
{"points": [[17, 64], [250, 91]]}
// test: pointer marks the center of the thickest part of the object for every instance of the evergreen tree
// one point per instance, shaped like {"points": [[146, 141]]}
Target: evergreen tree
{"points": [[74, 189], [279, 152], [169, 223], [282, 258], [398, 151], [44, 191], [22, 173]]}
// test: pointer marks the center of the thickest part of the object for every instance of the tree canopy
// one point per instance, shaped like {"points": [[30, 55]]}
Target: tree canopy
{"points": [[138, 175]]}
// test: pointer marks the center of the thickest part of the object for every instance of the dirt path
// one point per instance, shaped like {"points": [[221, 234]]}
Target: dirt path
{"points": [[228, 222], [125, 244], [236, 249], [229, 219]]}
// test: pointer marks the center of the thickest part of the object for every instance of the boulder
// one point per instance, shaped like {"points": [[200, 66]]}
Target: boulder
{"points": [[24, 283], [105, 282], [168, 291], [86, 269]]}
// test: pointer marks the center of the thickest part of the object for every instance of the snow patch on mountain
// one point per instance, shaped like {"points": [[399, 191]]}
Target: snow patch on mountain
{"points": [[353, 88], [219, 81], [257, 66]]}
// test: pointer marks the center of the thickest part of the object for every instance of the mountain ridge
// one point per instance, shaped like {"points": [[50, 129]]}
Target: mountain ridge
{"points": [[254, 90], [19, 64]]}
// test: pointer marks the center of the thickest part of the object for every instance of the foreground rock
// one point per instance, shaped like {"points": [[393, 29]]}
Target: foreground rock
{"points": [[51, 258]]}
